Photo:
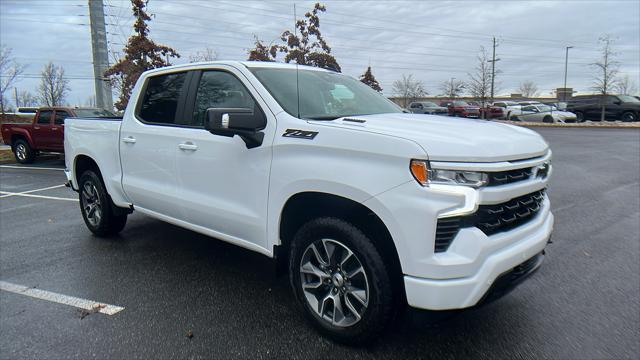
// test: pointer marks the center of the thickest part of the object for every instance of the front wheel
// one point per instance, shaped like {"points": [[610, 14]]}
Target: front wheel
{"points": [[579, 116], [23, 152], [547, 119], [340, 281], [96, 207]]}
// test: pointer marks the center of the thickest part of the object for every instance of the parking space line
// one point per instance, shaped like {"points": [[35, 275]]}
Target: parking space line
{"points": [[32, 191], [85, 304], [37, 196], [29, 167]]}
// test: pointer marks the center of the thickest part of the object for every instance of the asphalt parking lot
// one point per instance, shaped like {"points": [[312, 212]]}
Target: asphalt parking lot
{"points": [[583, 303]]}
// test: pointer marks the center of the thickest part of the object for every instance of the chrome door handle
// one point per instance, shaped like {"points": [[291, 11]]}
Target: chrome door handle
{"points": [[129, 140], [54, 128], [188, 146]]}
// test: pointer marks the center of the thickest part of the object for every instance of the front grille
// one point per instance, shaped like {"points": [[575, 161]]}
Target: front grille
{"points": [[510, 176], [490, 219]]}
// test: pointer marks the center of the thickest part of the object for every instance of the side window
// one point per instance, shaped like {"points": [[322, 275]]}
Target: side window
{"points": [[60, 116], [161, 96], [611, 100], [413, 105], [45, 117], [219, 89]]}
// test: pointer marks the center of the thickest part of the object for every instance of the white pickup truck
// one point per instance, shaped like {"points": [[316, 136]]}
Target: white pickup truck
{"points": [[369, 208]]}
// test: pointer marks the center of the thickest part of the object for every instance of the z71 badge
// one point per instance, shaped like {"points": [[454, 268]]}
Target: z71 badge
{"points": [[300, 134]]}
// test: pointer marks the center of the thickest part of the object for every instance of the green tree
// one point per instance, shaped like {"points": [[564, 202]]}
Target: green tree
{"points": [[306, 46], [370, 80], [140, 54]]}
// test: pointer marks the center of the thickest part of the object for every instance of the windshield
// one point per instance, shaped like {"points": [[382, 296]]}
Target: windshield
{"points": [[627, 98], [429, 104], [544, 108], [93, 113], [460, 103], [323, 95]]}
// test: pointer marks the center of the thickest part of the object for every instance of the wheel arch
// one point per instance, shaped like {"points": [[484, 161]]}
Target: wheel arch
{"points": [[305, 206], [21, 134]]}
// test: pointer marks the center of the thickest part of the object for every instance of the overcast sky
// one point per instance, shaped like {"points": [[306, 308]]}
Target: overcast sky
{"points": [[433, 40]]}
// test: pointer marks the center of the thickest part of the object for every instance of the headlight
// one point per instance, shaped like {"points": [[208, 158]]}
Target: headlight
{"points": [[425, 175]]}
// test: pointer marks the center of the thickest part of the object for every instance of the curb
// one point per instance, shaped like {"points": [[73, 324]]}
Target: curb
{"points": [[598, 125]]}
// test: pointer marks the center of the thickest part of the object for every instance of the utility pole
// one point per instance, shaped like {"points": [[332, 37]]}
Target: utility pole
{"points": [[15, 94], [493, 67], [451, 89], [566, 63], [104, 98]]}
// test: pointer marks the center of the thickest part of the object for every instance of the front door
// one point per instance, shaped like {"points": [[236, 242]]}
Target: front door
{"points": [[42, 137], [148, 146], [223, 185]]}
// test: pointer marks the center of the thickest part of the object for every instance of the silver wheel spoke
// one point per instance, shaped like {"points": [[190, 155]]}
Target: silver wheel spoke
{"points": [[351, 308], [311, 269], [356, 271], [338, 311], [329, 249], [358, 294], [319, 257]]}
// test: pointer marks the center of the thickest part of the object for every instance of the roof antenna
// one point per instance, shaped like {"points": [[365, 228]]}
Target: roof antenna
{"points": [[295, 32]]}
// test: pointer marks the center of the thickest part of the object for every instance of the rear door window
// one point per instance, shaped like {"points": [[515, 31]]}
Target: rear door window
{"points": [[45, 117], [60, 116], [161, 98]]}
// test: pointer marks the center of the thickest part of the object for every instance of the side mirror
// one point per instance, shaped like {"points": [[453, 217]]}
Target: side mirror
{"points": [[243, 122]]}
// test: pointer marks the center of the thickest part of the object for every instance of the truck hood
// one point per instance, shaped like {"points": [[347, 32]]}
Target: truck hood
{"points": [[453, 139]]}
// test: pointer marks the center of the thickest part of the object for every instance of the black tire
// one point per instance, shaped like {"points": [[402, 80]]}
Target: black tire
{"points": [[23, 152], [107, 223], [379, 311], [629, 116], [515, 118], [547, 119], [579, 116]]}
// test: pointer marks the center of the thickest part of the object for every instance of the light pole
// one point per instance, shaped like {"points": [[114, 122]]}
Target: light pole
{"points": [[451, 89], [566, 63]]}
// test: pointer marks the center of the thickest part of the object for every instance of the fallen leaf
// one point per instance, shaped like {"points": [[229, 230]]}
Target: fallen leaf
{"points": [[189, 334]]}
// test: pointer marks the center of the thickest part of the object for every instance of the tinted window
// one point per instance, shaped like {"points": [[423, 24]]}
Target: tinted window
{"points": [[60, 116], [160, 101], [219, 89], [45, 117], [414, 105]]}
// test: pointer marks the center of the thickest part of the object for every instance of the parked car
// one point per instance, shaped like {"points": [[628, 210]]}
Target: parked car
{"points": [[463, 109], [44, 133], [491, 112], [508, 108], [617, 107], [544, 113], [366, 213], [427, 107]]}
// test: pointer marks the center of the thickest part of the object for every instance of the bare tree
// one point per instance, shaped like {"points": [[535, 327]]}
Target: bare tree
{"points": [[479, 84], [626, 86], [207, 54], [26, 99], [9, 72], [528, 89], [408, 89], [53, 85], [452, 88], [606, 71]]}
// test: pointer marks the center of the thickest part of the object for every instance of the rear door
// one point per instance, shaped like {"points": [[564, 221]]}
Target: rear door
{"points": [[57, 130], [223, 185], [149, 143], [41, 133]]}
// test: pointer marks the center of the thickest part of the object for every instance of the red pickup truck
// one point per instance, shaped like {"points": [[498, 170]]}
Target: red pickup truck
{"points": [[45, 132]]}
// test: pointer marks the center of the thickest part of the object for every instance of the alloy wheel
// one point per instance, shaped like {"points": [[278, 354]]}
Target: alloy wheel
{"points": [[91, 203], [334, 282], [21, 152]]}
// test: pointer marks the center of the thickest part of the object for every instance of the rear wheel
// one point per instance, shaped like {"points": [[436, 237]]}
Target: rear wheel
{"points": [[547, 119], [23, 152], [340, 281], [515, 118], [579, 116], [97, 208]]}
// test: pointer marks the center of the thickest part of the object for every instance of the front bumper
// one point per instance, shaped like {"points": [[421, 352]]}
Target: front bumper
{"points": [[459, 293]]}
